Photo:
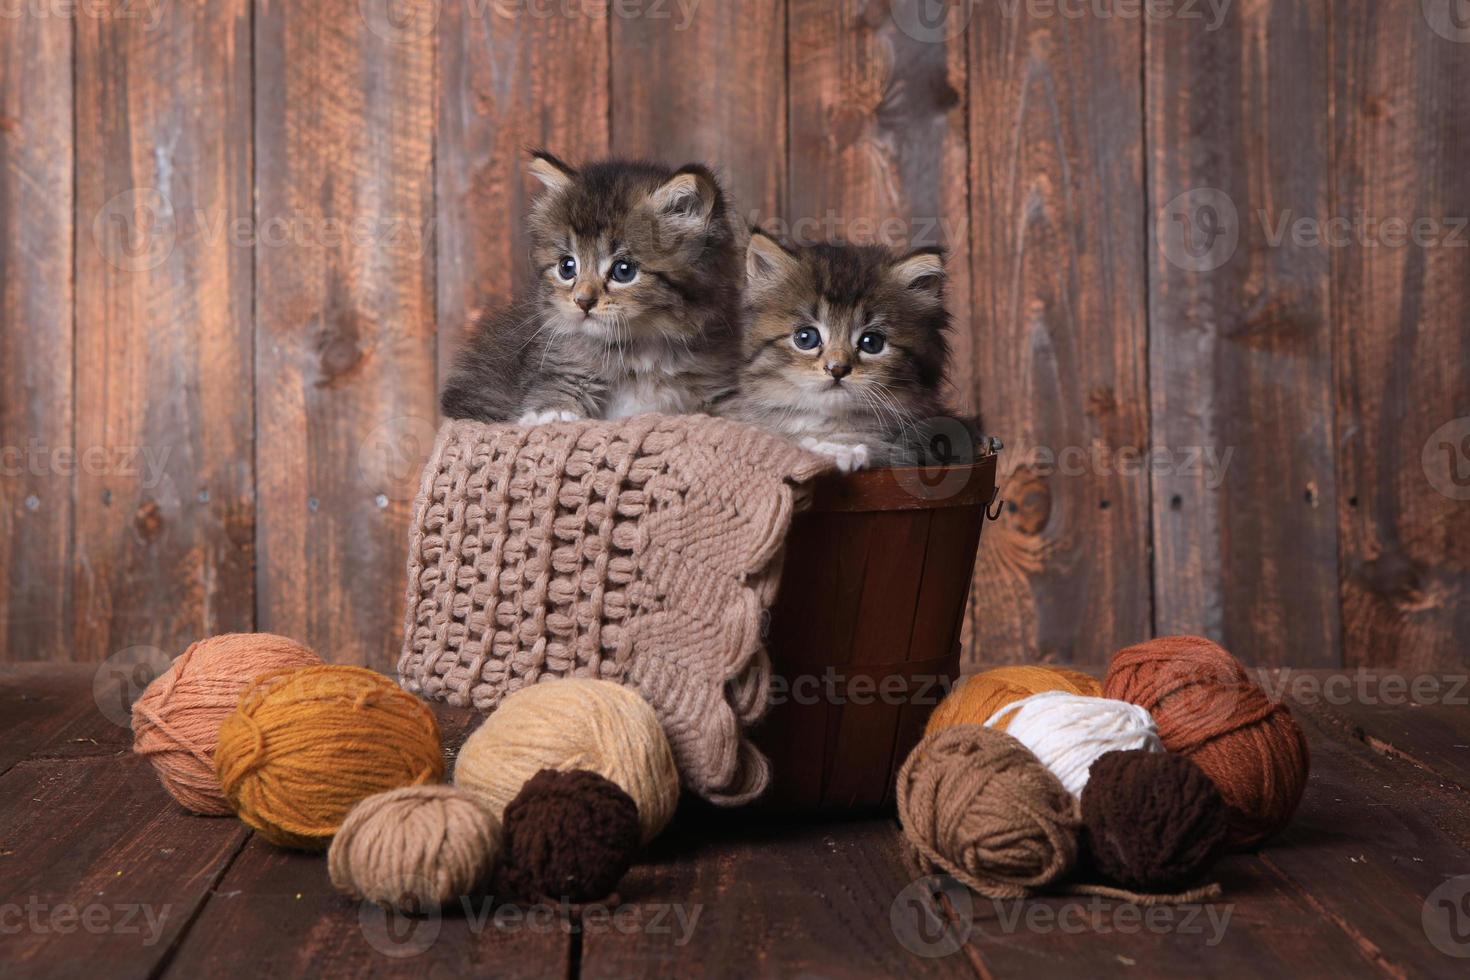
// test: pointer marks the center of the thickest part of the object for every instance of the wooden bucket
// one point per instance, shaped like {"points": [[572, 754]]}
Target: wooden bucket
{"points": [[865, 633]]}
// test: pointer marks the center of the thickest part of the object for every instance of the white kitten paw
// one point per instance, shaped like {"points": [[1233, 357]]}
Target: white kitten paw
{"points": [[848, 456], [549, 415]]}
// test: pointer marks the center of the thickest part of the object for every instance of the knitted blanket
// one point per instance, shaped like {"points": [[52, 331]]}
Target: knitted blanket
{"points": [[645, 551]]}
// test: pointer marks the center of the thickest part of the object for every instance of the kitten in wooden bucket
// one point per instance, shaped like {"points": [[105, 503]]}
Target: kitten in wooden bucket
{"points": [[845, 349], [636, 302]]}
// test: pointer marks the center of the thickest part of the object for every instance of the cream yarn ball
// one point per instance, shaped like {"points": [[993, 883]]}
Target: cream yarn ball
{"points": [[416, 848], [573, 723], [1069, 732]]}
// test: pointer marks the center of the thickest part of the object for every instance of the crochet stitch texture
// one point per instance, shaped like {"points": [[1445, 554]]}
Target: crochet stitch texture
{"points": [[645, 551]]}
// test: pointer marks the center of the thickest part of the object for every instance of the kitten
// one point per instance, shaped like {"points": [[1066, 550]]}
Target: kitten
{"points": [[635, 306], [845, 349]]}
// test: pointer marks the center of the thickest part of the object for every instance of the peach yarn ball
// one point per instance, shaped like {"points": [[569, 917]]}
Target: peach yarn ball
{"points": [[1208, 709], [176, 721], [982, 695], [306, 745]]}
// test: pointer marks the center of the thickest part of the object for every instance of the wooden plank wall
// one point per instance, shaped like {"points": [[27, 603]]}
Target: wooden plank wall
{"points": [[239, 242]]}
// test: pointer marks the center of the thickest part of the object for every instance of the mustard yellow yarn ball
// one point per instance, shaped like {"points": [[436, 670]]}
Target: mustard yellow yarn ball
{"points": [[982, 695], [306, 745]]}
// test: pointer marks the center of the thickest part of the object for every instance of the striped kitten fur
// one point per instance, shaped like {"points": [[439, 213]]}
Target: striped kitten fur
{"points": [[635, 305], [845, 349]]}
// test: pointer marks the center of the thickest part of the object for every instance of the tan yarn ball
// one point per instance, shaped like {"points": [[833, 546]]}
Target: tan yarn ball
{"points": [[573, 723], [415, 848], [176, 721], [975, 802]]}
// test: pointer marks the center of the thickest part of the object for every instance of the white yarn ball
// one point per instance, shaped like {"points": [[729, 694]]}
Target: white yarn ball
{"points": [[1069, 732]]}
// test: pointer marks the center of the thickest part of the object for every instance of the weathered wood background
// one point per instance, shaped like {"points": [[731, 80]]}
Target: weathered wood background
{"points": [[1209, 264]]}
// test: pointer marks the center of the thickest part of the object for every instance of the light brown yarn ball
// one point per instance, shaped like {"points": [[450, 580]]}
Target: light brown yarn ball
{"points": [[415, 848], [176, 720], [573, 723], [974, 802]]}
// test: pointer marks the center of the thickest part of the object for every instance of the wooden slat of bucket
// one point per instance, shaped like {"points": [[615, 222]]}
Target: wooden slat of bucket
{"points": [[878, 645]]}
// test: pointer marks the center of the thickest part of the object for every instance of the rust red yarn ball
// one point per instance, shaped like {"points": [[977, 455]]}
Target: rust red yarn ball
{"points": [[1208, 709], [1151, 821], [569, 836]]}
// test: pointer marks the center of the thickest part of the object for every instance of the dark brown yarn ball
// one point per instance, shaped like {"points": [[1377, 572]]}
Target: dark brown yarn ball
{"points": [[569, 836], [1151, 821]]}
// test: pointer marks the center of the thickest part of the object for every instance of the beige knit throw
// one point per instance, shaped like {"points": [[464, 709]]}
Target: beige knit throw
{"points": [[646, 551]]}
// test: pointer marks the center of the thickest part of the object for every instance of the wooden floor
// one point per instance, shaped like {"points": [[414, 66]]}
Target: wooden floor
{"points": [[101, 874]]}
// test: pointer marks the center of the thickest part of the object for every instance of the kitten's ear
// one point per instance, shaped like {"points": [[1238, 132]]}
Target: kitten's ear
{"points": [[555, 174], [687, 199], [766, 261], [922, 270]]}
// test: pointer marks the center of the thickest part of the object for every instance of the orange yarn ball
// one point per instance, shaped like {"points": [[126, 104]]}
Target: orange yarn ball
{"points": [[176, 721], [1207, 708], [982, 695], [306, 745]]}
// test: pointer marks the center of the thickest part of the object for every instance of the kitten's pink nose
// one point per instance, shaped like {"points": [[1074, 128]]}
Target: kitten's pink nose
{"points": [[586, 301], [838, 369]]}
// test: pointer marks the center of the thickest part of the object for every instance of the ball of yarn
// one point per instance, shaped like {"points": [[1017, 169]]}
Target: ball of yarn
{"points": [[176, 720], [1151, 821], [982, 695], [306, 745], [1068, 732], [573, 723], [974, 802], [1207, 708], [415, 848], [569, 836]]}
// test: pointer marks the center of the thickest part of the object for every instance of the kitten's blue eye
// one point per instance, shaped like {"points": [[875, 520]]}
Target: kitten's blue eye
{"points": [[624, 271], [805, 338], [567, 268], [871, 342]]}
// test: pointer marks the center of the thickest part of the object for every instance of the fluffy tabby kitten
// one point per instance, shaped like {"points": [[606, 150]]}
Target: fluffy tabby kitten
{"points": [[845, 348], [635, 306]]}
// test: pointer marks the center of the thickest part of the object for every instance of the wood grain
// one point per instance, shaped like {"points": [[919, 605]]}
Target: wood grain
{"points": [[507, 81], [1401, 136], [280, 905], [1240, 333], [36, 305], [1056, 195], [344, 315], [96, 857], [877, 144], [762, 900], [165, 496], [707, 82], [1367, 861]]}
